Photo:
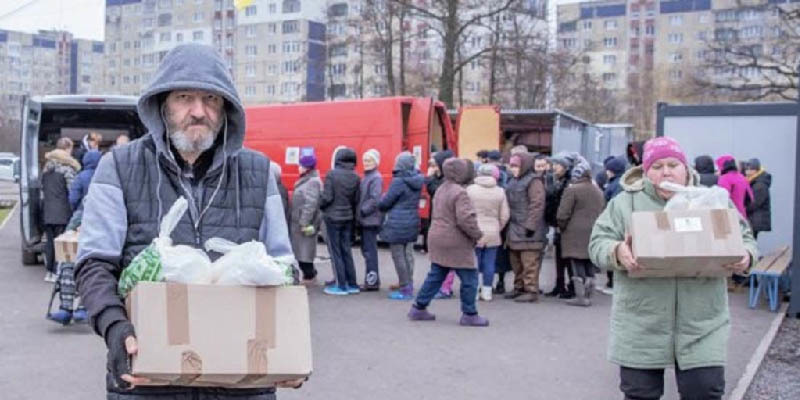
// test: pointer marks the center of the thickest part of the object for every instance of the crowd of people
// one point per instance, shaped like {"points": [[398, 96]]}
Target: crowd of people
{"points": [[67, 173]]}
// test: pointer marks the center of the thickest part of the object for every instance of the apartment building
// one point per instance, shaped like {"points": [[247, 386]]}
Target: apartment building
{"points": [[281, 51], [47, 62], [663, 45], [139, 33]]}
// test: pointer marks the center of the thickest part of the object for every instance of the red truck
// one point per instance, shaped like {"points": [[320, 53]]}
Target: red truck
{"points": [[390, 125]]}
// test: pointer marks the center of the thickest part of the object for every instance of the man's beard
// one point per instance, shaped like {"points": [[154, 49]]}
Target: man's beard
{"points": [[185, 144]]}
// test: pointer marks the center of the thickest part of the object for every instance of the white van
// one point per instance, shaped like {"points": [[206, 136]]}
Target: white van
{"points": [[45, 120], [9, 167]]}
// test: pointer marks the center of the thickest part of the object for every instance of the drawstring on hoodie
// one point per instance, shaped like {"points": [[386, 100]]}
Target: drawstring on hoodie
{"points": [[238, 200]]}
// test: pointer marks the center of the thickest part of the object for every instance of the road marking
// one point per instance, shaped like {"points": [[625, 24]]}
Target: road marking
{"points": [[755, 361], [10, 213]]}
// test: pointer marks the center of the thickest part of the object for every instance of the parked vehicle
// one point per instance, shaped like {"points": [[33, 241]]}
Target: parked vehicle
{"points": [[45, 120], [9, 167]]}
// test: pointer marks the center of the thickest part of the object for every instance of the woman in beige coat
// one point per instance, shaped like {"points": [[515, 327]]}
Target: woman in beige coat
{"points": [[493, 213]]}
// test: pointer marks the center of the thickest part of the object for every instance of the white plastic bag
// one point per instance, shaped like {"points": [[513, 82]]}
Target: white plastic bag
{"points": [[695, 198], [248, 264], [181, 264]]}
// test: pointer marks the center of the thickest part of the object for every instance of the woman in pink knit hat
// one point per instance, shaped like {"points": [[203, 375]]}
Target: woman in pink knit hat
{"points": [[659, 323]]}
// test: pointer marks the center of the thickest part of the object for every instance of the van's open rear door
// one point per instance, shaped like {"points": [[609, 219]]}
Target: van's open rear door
{"points": [[29, 185], [478, 129]]}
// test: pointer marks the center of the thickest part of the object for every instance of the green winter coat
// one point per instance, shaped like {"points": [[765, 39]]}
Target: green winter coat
{"points": [[656, 322]]}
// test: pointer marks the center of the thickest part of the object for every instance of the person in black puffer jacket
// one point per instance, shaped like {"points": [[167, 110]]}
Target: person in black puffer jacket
{"points": [[705, 167], [339, 205], [759, 211]]}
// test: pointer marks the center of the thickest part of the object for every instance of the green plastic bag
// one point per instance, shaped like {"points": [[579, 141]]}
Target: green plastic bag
{"points": [[146, 266]]}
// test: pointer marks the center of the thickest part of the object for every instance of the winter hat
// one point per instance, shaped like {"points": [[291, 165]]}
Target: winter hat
{"points": [[580, 168], [564, 159], [495, 155], [489, 170], [754, 164], [617, 165], [704, 164], [722, 160], [482, 154], [374, 155], [661, 148], [308, 160]]}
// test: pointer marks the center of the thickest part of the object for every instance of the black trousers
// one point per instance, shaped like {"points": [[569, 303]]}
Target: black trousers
{"points": [[706, 383], [51, 231], [562, 267]]}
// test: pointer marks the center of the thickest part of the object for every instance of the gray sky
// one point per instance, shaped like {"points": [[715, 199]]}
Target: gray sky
{"points": [[84, 18]]}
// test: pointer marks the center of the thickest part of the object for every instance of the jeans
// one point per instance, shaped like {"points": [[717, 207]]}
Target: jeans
{"points": [[403, 258], [487, 256], [369, 249], [50, 249], [340, 246], [693, 384], [437, 274], [582, 268]]}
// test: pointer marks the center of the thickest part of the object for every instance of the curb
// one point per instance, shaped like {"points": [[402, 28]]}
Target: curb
{"points": [[758, 356], [9, 215]]}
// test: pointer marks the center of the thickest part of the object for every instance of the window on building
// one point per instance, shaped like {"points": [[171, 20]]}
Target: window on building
{"points": [[609, 77], [290, 27], [273, 8], [272, 49], [338, 50], [588, 44], [675, 38], [164, 3], [569, 43], [251, 50], [127, 45], [273, 69], [675, 57], [610, 25], [270, 90], [675, 74], [676, 20], [587, 25], [198, 16], [250, 11], [290, 6], [165, 37], [338, 90], [197, 36], [339, 69], [179, 37], [250, 90], [610, 42], [703, 18], [250, 31], [609, 59], [137, 44], [250, 70], [650, 30], [338, 10]]}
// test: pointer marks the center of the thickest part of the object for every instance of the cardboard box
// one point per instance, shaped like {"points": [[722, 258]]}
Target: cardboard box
{"points": [[226, 336], [66, 245], [689, 243]]}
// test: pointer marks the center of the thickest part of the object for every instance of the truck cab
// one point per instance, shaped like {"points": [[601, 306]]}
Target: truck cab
{"points": [[45, 120]]}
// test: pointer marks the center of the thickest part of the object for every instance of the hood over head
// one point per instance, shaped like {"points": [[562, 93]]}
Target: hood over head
{"points": [[721, 160], [345, 158], [704, 164], [193, 67], [404, 161], [457, 170], [91, 159], [442, 156]]}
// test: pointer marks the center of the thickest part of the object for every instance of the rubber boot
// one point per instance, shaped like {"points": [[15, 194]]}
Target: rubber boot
{"points": [[580, 294]]}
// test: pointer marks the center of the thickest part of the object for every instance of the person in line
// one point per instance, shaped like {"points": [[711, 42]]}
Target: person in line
{"points": [[80, 186], [453, 236], [527, 232], [339, 205], [734, 182], [759, 211], [121, 141], [401, 228], [490, 203], [658, 323], [90, 141], [305, 217], [58, 175], [580, 206], [705, 167], [556, 182], [433, 179], [370, 217], [195, 130], [277, 172], [495, 157]]}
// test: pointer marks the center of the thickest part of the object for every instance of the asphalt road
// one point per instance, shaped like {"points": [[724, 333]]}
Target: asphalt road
{"points": [[364, 347]]}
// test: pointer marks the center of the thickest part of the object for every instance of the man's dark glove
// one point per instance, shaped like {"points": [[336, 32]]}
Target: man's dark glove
{"points": [[529, 233], [118, 358]]}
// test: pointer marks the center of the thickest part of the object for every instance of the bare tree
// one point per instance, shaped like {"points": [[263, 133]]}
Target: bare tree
{"points": [[744, 61], [451, 20]]}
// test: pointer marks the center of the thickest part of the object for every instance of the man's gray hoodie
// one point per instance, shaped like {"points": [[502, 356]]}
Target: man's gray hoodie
{"points": [[135, 185]]}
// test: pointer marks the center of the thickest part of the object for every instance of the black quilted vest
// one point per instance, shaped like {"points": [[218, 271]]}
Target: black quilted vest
{"points": [[235, 212]]}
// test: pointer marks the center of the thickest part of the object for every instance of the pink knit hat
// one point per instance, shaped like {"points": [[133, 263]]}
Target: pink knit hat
{"points": [[660, 148]]}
